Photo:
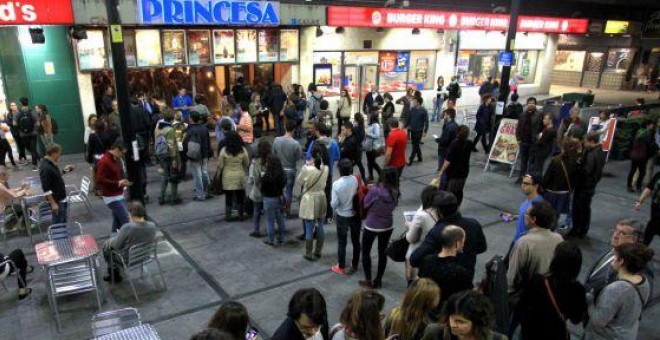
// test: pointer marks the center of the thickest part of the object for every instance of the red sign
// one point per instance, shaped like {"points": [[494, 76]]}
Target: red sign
{"points": [[387, 61], [36, 12], [386, 17]]}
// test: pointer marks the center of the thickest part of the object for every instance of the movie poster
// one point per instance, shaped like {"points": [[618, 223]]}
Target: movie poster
{"points": [[223, 47], [174, 48], [199, 47], [289, 45], [148, 50], [91, 51], [246, 44], [268, 46], [129, 48]]}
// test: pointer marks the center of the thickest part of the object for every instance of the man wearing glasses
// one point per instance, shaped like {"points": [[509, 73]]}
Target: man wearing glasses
{"points": [[601, 273]]}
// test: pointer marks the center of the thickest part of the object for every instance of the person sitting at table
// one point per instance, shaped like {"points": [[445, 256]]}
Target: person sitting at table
{"points": [[13, 212], [20, 264], [138, 230]]}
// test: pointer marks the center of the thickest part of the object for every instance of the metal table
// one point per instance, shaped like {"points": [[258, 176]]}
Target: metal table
{"points": [[142, 332], [71, 249]]}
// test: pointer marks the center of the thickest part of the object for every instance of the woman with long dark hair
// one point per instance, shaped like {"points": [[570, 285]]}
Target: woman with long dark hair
{"points": [[359, 133], [380, 203], [387, 113], [456, 167], [344, 108], [360, 319], [273, 181], [313, 204], [232, 317], [233, 162], [373, 145]]}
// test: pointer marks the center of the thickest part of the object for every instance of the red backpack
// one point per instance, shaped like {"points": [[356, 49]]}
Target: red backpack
{"points": [[358, 199]]}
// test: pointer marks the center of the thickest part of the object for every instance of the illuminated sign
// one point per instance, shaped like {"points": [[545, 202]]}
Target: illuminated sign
{"points": [[617, 27], [36, 12], [386, 17], [190, 12]]}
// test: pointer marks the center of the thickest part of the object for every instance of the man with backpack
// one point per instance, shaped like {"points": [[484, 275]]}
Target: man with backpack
{"points": [[197, 148], [344, 191], [167, 153], [314, 101], [454, 90], [27, 126]]}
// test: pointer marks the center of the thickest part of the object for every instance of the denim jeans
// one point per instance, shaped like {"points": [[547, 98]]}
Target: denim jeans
{"points": [[200, 173], [119, 214], [273, 209], [62, 213], [256, 214], [165, 164], [437, 110], [309, 229], [344, 224], [288, 189]]}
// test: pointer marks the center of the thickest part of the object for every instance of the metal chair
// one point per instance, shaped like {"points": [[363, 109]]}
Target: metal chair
{"points": [[114, 321], [6, 272], [37, 212], [72, 278], [64, 230], [138, 255], [80, 195]]}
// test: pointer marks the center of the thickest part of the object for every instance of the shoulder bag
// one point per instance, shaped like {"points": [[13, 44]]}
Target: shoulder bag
{"points": [[551, 295]]}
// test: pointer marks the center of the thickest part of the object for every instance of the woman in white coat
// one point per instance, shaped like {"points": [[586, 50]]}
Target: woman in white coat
{"points": [[424, 219]]}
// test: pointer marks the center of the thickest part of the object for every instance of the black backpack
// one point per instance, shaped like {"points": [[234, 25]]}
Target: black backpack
{"points": [[26, 122]]}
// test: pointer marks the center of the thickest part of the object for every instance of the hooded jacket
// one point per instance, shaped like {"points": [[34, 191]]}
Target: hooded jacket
{"points": [[380, 203]]}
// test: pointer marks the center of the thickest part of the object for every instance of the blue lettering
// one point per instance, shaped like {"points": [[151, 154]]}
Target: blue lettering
{"points": [[237, 10], [203, 12], [173, 12], [253, 15], [270, 16], [222, 7], [150, 9], [188, 14]]}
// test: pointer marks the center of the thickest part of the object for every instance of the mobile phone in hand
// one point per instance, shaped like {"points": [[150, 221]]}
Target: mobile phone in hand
{"points": [[506, 217], [251, 334]]}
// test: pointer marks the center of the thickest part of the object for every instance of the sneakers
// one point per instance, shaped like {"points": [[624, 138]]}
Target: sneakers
{"points": [[338, 270], [257, 234], [269, 243]]}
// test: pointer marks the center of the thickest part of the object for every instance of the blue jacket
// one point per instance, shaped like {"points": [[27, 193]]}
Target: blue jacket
{"points": [[484, 114], [333, 150], [449, 132]]}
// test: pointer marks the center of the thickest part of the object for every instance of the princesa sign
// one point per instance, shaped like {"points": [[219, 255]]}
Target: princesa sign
{"points": [[209, 12]]}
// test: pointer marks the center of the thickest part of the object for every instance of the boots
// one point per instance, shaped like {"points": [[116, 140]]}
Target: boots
{"points": [[318, 248], [309, 245]]}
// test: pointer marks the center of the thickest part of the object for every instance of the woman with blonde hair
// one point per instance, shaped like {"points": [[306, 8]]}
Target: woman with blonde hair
{"points": [[410, 319], [360, 319]]}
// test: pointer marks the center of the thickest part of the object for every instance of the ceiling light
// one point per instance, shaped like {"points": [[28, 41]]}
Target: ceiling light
{"points": [[380, 30], [340, 30], [37, 35], [415, 31]]}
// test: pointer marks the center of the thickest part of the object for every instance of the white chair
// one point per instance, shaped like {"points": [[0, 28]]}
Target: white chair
{"points": [[64, 230], [80, 195], [138, 255], [114, 321]]}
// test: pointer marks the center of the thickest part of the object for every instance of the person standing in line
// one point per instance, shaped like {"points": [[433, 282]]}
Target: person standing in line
{"points": [[111, 182], [482, 127], [276, 99], [550, 300], [333, 153], [27, 125], [456, 166], [514, 110], [439, 99], [395, 152], [324, 116], [418, 126], [417, 229], [114, 121], [245, 128], [314, 101], [380, 203], [233, 161], [486, 87], [348, 144], [344, 108], [588, 174], [12, 121], [406, 101], [313, 177], [454, 90], [618, 309], [273, 182], [167, 153], [52, 181], [373, 144], [141, 121], [182, 102], [255, 111], [372, 101], [642, 149], [359, 133], [387, 113], [255, 172], [410, 319], [449, 132], [287, 149], [197, 147], [344, 190], [529, 125], [106, 100], [543, 146]]}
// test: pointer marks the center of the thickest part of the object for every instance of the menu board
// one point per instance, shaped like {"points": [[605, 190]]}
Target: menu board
{"points": [[246, 44], [268, 45], [289, 40], [323, 74], [569, 61], [147, 44], [129, 48], [199, 47], [174, 48], [91, 51], [223, 47]]}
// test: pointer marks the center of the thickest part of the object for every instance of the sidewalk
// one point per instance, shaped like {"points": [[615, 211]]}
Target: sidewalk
{"points": [[608, 97]]}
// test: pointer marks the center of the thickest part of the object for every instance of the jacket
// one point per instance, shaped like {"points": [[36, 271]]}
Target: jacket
{"points": [[35, 120], [555, 179], [405, 112], [380, 204], [46, 123], [513, 111], [528, 127], [475, 241], [449, 132], [350, 148], [108, 175], [314, 103], [275, 99], [234, 169], [419, 119], [453, 90], [370, 103], [344, 108], [484, 116], [387, 113], [546, 142], [422, 223], [643, 146], [199, 133], [313, 203], [591, 170], [601, 274], [166, 128]]}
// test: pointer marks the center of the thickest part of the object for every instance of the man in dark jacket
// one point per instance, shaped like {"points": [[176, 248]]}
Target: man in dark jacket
{"points": [[529, 125], [419, 126], [514, 110], [197, 148], [486, 87], [449, 131], [590, 170], [372, 100], [141, 121], [241, 91], [348, 144], [275, 100], [475, 240], [454, 90]]}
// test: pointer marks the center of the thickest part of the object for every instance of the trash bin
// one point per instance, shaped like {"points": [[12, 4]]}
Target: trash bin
{"points": [[583, 99]]}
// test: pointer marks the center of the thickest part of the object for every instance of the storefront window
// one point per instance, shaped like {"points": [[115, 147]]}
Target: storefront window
{"points": [[474, 67], [619, 60], [205, 85], [91, 51], [129, 48], [422, 69], [334, 59], [361, 58], [595, 61], [394, 67], [572, 61], [147, 44], [525, 68]]}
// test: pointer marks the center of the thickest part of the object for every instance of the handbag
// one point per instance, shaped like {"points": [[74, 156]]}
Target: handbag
{"points": [[398, 248], [216, 183], [551, 295]]}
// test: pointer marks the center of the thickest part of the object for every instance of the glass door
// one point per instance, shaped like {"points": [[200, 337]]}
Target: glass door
{"points": [[358, 80]]}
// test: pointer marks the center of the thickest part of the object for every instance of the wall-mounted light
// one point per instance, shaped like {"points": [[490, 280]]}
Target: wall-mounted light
{"points": [[440, 31], [503, 33], [78, 32], [340, 30], [319, 31], [526, 33], [37, 35], [380, 30], [415, 31]]}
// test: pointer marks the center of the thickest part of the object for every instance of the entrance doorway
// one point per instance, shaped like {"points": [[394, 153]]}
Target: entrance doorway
{"points": [[358, 80]]}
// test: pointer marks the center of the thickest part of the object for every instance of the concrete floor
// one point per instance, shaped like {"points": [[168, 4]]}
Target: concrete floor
{"points": [[208, 261]]}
